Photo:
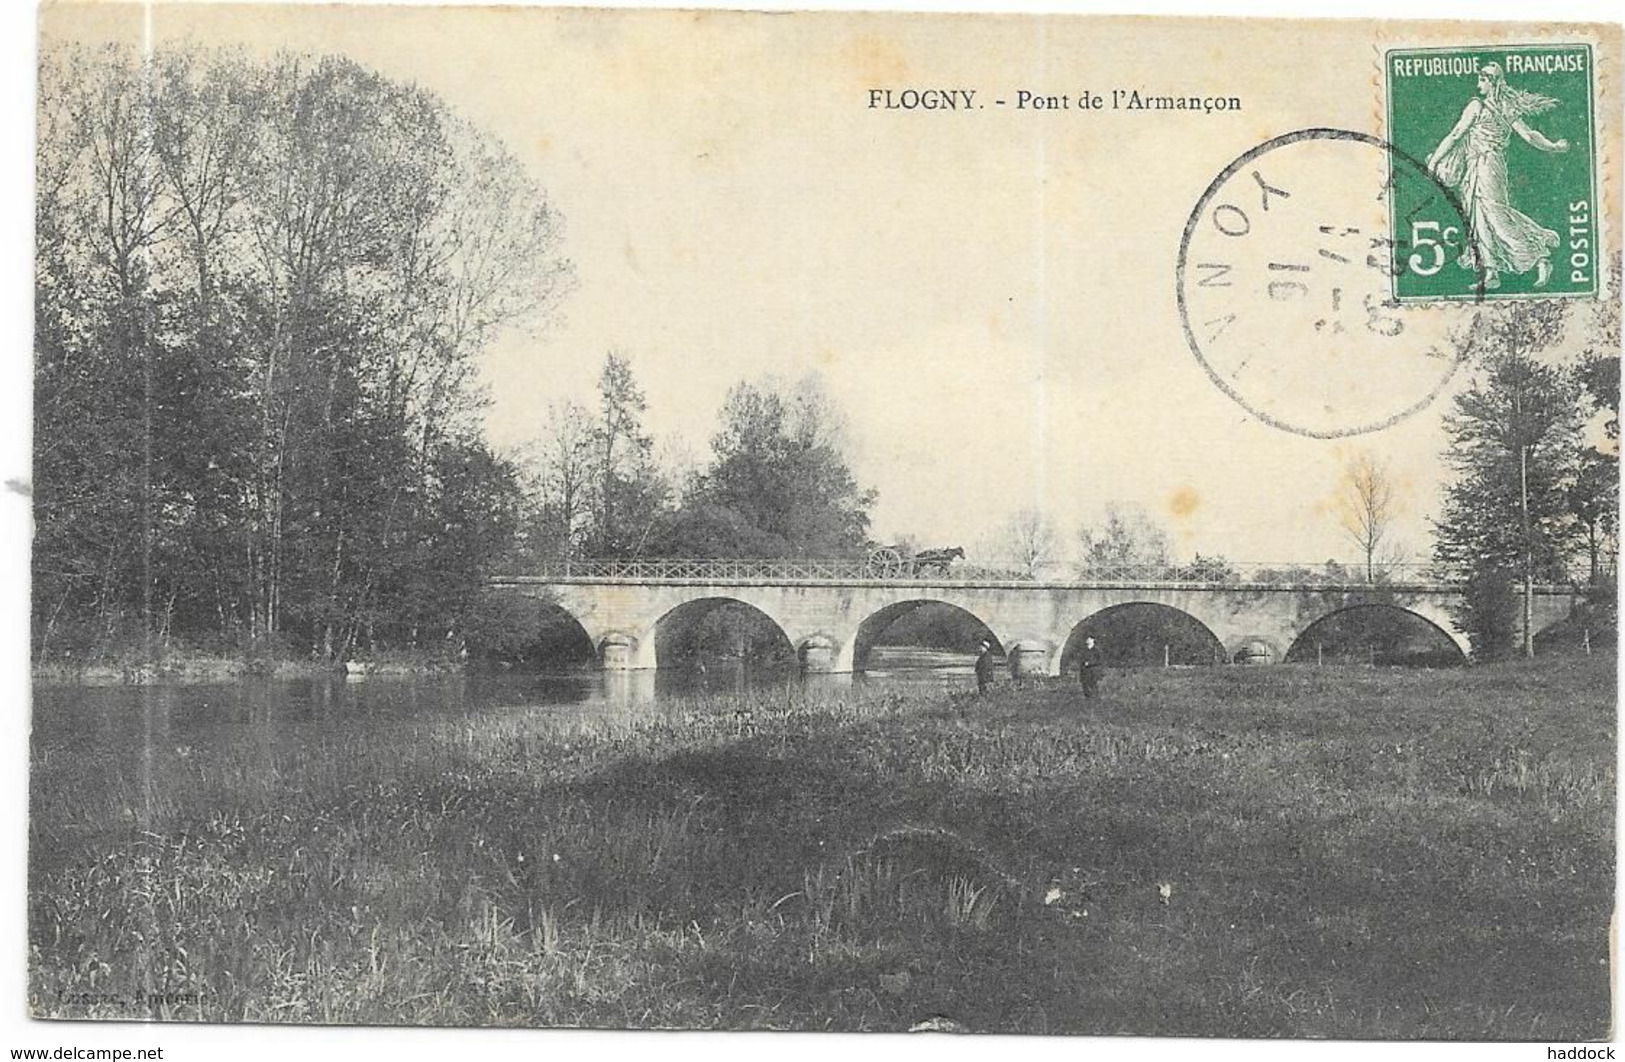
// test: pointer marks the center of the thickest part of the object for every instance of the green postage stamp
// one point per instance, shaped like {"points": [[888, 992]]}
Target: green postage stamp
{"points": [[1509, 137]]}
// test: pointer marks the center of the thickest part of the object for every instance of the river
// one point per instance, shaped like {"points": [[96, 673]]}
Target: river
{"points": [[185, 715]]}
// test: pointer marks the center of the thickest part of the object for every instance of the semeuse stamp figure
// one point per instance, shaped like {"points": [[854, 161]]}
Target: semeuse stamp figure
{"points": [[1472, 159]]}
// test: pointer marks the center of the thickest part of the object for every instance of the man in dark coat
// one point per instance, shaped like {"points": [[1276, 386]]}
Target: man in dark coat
{"points": [[1089, 666], [985, 666]]}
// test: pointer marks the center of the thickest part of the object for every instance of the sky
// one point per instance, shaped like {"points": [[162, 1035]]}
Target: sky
{"points": [[990, 296]]}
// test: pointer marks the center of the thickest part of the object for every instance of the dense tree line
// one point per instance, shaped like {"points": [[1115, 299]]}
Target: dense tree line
{"points": [[261, 285], [591, 484], [1534, 499], [778, 482]]}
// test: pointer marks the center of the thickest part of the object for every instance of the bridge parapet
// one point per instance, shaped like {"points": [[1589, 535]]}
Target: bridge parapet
{"points": [[936, 583], [847, 572]]}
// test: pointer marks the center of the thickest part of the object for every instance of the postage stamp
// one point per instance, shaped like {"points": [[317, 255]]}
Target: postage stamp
{"points": [[1511, 131]]}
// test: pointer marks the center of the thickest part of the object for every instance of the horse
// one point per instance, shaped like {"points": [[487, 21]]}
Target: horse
{"points": [[939, 559]]}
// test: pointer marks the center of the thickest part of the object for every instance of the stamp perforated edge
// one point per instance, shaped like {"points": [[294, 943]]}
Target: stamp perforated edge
{"points": [[1604, 42]]}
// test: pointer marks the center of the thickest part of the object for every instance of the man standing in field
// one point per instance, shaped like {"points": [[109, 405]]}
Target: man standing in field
{"points": [[984, 666], [1089, 668]]}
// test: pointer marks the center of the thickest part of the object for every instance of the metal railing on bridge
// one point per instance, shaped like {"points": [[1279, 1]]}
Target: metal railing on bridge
{"points": [[795, 569]]}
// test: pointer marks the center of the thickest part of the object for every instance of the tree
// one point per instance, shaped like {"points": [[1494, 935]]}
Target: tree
{"points": [[779, 484], [706, 528], [1599, 375], [1594, 500], [629, 492], [1366, 507], [1599, 364], [1489, 616], [261, 287], [1514, 445], [678, 466], [1127, 538], [103, 351], [1205, 569], [1595, 495], [1027, 542], [557, 472], [469, 518]]}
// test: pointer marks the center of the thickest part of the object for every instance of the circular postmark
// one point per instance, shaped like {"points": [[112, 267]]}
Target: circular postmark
{"points": [[1286, 282]]}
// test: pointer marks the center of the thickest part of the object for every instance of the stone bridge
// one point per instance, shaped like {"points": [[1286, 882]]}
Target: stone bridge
{"points": [[831, 618]]}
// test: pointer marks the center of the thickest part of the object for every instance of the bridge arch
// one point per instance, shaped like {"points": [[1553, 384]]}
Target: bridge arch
{"points": [[1582, 626], [511, 629], [1381, 633], [699, 627], [1136, 634], [971, 629]]}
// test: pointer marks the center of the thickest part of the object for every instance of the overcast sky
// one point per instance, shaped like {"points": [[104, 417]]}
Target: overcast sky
{"points": [[989, 295]]}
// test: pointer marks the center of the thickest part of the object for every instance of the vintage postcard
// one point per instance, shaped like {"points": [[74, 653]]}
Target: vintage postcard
{"points": [[1026, 524]]}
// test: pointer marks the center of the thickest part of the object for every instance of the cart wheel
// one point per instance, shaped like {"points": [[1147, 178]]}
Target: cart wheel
{"points": [[885, 563]]}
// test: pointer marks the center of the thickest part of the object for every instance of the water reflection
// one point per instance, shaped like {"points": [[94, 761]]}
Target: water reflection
{"points": [[274, 711]]}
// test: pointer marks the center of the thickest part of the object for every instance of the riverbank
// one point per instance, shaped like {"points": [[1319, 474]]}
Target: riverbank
{"points": [[1276, 851], [185, 666]]}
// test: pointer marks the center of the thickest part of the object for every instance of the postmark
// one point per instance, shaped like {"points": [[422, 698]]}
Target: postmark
{"points": [[1285, 284], [1511, 130]]}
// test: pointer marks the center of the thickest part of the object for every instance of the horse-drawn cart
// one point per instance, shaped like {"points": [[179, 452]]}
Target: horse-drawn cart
{"points": [[894, 562]]}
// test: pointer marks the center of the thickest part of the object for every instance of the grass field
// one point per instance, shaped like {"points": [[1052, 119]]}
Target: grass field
{"points": [[1277, 851]]}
